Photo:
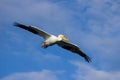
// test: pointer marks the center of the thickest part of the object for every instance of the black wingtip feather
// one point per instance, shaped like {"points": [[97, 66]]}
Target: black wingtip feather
{"points": [[15, 24], [28, 28], [87, 58], [22, 26], [18, 24]]}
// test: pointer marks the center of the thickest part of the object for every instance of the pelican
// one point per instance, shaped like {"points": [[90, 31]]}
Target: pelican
{"points": [[50, 40]]}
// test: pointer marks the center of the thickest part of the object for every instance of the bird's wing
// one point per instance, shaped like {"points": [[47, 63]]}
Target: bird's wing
{"points": [[73, 48], [34, 30]]}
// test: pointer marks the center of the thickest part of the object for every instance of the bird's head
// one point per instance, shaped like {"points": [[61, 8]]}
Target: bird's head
{"points": [[62, 37]]}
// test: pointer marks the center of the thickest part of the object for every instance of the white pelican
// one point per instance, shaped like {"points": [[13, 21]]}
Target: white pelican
{"points": [[50, 40]]}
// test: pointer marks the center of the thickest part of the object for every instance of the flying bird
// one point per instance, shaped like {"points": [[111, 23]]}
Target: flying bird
{"points": [[50, 40]]}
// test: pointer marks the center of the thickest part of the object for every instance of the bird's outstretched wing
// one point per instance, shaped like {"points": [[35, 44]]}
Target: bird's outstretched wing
{"points": [[34, 30], [73, 48]]}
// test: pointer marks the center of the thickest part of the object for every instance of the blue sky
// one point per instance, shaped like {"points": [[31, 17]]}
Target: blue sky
{"points": [[94, 25]]}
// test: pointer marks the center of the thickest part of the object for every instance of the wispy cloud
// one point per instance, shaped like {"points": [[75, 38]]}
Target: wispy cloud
{"points": [[93, 25], [42, 75], [100, 33], [82, 72], [85, 72]]}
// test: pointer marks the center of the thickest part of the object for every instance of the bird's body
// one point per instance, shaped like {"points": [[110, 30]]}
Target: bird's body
{"points": [[50, 40]]}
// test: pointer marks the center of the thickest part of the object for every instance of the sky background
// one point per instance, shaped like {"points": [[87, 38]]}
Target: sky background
{"points": [[94, 25]]}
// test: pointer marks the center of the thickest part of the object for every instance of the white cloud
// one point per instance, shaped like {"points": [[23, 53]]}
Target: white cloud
{"points": [[42, 75], [85, 72], [100, 33], [43, 12]]}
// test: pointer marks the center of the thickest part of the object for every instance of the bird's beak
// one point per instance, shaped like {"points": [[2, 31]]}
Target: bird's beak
{"points": [[64, 38]]}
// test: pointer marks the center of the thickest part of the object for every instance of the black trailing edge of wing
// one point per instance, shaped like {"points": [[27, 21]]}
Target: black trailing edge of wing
{"points": [[29, 28], [73, 48]]}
